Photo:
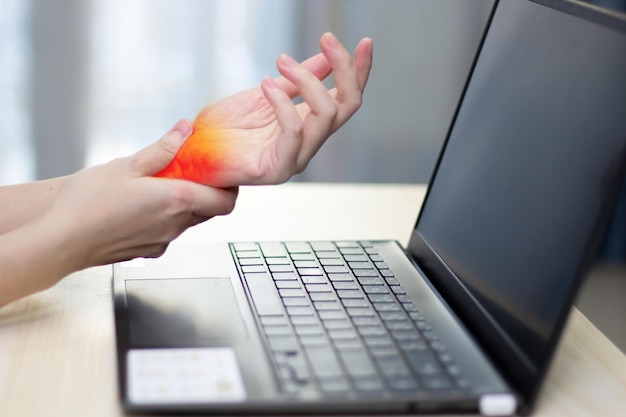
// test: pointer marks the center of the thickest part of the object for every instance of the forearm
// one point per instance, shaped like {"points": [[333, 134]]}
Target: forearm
{"points": [[20, 204], [32, 258]]}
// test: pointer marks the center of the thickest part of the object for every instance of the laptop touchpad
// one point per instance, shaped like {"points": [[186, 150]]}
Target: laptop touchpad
{"points": [[183, 312]]}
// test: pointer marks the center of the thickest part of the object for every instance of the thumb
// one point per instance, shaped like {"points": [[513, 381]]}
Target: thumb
{"points": [[155, 157]]}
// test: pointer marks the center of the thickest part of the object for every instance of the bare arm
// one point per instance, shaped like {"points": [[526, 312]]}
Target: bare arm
{"points": [[20, 204], [104, 214]]}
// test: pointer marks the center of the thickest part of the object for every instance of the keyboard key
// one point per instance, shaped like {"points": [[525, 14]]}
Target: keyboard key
{"points": [[263, 295], [386, 307], [323, 361], [381, 298], [278, 330], [322, 246], [373, 342], [396, 289], [328, 255], [436, 382], [300, 311], [423, 362], [342, 334], [350, 294], [360, 312], [351, 251], [318, 288], [322, 296], [403, 383], [288, 284], [368, 384], [348, 344], [334, 385], [326, 305], [283, 343], [295, 302], [280, 268], [337, 324], [331, 315], [375, 289], [291, 292], [277, 261], [314, 279], [366, 321], [244, 246], [392, 281], [331, 262], [305, 264], [367, 331], [356, 258], [360, 265], [392, 315], [370, 281], [283, 276], [274, 320], [355, 302], [303, 320], [332, 269], [400, 325], [345, 285], [310, 271], [314, 330], [393, 366], [250, 261], [314, 341], [358, 363], [298, 247], [248, 254], [365, 273], [383, 351], [246, 269], [272, 249], [302, 257], [340, 277]]}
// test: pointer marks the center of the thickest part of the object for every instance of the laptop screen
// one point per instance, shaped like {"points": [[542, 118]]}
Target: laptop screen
{"points": [[531, 163]]}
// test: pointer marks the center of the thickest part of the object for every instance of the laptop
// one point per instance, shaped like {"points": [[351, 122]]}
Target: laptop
{"points": [[467, 316]]}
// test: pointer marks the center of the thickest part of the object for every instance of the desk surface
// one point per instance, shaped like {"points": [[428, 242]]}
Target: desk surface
{"points": [[57, 348]]}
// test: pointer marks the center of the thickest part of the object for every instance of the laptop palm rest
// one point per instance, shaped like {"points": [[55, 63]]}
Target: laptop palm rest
{"points": [[169, 313]]}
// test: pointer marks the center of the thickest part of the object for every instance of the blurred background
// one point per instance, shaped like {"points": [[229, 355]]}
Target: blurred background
{"points": [[84, 81]]}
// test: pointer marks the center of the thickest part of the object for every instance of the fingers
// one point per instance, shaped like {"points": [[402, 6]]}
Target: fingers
{"points": [[318, 65], [206, 202], [323, 111], [155, 157], [350, 75]]}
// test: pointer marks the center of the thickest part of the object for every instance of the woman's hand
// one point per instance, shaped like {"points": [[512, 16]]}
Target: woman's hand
{"points": [[259, 136], [119, 211]]}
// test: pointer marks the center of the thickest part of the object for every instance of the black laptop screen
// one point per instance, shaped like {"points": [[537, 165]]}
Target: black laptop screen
{"points": [[536, 147]]}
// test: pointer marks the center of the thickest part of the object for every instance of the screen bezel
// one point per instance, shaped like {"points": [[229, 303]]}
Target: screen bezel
{"points": [[505, 354]]}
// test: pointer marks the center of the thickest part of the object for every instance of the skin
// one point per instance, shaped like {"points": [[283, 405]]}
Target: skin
{"points": [[258, 136], [126, 208]]}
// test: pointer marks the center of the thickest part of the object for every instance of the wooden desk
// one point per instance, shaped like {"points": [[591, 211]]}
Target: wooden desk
{"points": [[57, 348]]}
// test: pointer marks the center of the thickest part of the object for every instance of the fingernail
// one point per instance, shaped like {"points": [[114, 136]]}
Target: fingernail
{"points": [[288, 61], [184, 127], [331, 40], [269, 82]]}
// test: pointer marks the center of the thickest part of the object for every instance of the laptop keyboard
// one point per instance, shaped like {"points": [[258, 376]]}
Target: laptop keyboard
{"points": [[342, 321]]}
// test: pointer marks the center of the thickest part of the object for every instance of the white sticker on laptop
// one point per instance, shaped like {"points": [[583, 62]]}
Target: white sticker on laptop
{"points": [[183, 376]]}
